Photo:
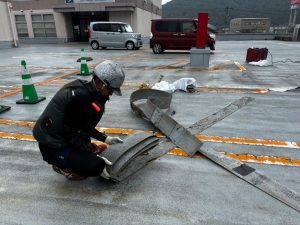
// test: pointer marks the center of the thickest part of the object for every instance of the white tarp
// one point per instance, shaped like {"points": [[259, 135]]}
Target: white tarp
{"points": [[181, 84], [261, 63]]}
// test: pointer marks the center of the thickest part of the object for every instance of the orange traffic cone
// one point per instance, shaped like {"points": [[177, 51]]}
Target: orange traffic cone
{"points": [[4, 108], [84, 69], [29, 93]]}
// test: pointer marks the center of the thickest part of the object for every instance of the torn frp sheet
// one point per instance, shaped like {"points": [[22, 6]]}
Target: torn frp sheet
{"points": [[184, 139], [134, 153]]}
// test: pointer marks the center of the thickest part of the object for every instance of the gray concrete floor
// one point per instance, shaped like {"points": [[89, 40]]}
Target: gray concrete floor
{"points": [[173, 189]]}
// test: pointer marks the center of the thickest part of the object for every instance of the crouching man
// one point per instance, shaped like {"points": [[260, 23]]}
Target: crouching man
{"points": [[65, 128]]}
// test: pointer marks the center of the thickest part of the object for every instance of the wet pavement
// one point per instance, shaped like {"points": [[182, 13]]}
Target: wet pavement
{"points": [[172, 189]]}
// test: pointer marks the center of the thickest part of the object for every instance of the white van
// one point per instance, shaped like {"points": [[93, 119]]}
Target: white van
{"points": [[113, 34]]}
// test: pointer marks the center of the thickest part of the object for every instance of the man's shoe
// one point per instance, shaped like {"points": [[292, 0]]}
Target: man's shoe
{"points": [[68, 173]]}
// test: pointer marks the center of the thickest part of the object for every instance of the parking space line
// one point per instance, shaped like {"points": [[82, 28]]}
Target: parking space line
{"points": [[39, 83], [135, 86], [21, 123], [15, 136], [249, 141], [232, 90], [210, 69], [18, 90], [113, 58], [201, 137], [38, 67], [240, 66], [265, 159], [170, 65], [271, 160]]}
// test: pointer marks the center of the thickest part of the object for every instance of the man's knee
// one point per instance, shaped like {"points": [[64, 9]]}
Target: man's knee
{"points": [[86, 164], [96, 167]]}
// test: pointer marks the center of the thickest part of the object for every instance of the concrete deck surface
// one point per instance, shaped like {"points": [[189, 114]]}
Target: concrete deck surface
{"points": [[173, 189]]}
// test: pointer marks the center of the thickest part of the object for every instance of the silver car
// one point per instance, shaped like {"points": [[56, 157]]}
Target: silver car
{"points": [[113, 34]]}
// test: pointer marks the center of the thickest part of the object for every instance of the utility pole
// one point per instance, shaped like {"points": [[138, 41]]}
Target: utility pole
{"points": [[226, 20]]}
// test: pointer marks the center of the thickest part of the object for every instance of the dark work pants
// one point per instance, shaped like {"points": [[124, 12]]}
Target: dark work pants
{"points": [[81, 162]]}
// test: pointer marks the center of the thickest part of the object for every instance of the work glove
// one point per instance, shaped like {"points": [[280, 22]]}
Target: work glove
{"points": [[104, 173], [113, 140]]}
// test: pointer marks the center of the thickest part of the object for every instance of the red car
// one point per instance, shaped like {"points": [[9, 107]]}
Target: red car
{"points": [[175, 34]]}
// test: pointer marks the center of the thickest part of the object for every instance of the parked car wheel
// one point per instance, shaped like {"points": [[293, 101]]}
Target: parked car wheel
{"points": [[95, 45], [130, 45], [157, 48]]}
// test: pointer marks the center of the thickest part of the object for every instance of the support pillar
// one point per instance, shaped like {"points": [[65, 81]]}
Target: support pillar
{"points": [[200, 55]]}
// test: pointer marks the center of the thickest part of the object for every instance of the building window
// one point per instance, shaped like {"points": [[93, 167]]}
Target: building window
{"points": [[43, 25], [21, 26]]}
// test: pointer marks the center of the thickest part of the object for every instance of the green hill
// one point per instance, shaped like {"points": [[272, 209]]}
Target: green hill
{"points": [[277, 10]]}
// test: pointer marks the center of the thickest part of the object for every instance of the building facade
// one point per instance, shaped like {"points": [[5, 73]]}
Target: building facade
{"points": [[250, 25], [59, 21], [8, 35]]}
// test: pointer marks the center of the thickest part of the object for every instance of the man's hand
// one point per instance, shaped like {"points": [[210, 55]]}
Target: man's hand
{"points": [[97, 148], [113, 140], [104, 173]]}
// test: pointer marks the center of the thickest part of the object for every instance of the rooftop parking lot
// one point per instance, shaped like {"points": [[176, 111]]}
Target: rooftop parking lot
{"points": [[173, 189]]}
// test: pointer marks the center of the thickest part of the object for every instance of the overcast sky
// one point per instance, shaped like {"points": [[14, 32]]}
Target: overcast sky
{"points": [[165, 1]]}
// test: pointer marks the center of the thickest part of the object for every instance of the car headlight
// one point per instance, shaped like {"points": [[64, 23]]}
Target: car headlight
{"points": [[134, 35]]}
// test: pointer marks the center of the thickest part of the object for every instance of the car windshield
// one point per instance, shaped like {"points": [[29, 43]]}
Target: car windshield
{"points": [[127, 28]]}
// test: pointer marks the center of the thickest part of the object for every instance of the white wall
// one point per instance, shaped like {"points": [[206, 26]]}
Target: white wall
{"points": [[143, 21], [61, 25], [125, 17], [140, 20], [6, 30]]}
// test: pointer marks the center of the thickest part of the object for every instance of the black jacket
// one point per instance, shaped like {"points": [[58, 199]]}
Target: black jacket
{"points": [[72, 114]]}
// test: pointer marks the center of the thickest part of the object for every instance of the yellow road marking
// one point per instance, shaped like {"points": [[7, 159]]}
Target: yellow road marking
{"points": [[14, 136], [113, 59], [272, 160], [39, 67], [220, 89], [264, 159], [12, 92], [240, 66], [231, 90], [39, 83], [17, 122], [201, 137], [249, 141], [170, 67]]}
